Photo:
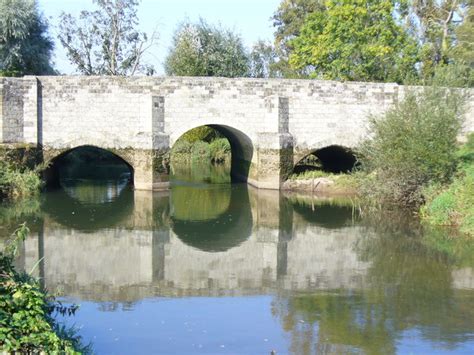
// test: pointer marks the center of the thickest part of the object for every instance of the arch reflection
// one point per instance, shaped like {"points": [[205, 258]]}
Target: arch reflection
{"points": [[211, 219]]}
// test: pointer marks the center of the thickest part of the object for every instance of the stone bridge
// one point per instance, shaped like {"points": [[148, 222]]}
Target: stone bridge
{"points": [[270, 123]]}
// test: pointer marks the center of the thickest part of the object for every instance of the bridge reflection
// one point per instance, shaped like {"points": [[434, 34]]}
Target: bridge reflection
{"points": [[256, 244]]}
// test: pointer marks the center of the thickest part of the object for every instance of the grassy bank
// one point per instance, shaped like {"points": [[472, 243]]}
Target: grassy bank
{"points": [[323, 182], [413, 159], [452, 204], [27, 324]]}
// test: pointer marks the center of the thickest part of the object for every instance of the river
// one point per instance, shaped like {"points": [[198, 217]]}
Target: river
{"points": [[211, 267]]}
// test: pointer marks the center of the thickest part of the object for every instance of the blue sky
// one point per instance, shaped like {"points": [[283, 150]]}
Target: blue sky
{"points": [[250, 18]]}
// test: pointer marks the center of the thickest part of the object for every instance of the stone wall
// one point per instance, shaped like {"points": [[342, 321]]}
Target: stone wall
{"points": [[271, 123]]}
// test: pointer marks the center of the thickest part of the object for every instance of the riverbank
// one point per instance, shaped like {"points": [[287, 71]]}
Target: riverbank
{"points": [[27, 323], [319, 182], [452, 204]]}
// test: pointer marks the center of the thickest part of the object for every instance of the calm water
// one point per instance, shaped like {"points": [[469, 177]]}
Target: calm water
{"points": [[213, 268]]}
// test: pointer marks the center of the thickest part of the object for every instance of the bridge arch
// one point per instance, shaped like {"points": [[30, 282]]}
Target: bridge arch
{"points": [[54, 159], [332, 158], [242, 148]]}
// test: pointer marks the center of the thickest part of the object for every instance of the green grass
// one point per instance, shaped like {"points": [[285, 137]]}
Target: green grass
{"points": [[453, 204]]}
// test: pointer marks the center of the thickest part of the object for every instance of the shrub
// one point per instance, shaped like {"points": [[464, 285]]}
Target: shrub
{"points": [[26, 322], [413, 145]]}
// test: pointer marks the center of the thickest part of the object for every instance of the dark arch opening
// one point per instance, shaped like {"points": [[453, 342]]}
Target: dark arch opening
{"points": [[88, 163], [240, 155], [332, 159]]}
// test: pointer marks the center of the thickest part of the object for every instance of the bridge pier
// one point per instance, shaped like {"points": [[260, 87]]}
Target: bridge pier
{"points": [[273, 162], [150, 169]]}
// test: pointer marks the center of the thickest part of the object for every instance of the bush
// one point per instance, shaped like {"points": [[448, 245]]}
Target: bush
{"points": [[413, 145], [26, 322], [220, 150]]}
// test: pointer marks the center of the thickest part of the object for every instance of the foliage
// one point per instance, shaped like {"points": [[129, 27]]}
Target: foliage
{"points": [[204, 50], [200, 151], [25, 48], [413, 144], [16, 183], [26, 322], [262, 61], [357, 40], [463, 50], [288, 20], [453, 204], [436, 25], [201, 133], [106, 41], [202, 143]]}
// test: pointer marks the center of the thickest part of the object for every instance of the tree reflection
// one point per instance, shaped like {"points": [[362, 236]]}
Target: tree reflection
{"points": [[409, 287]]}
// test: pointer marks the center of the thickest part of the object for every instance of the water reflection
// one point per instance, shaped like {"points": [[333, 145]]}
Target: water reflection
{"points": [[339, 283]]}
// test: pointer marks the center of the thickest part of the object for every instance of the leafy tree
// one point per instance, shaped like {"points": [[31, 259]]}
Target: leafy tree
{"points": [[106, 41], [25, 48], [357, 40], [288, 20], [263, 59], [436, 23], [464, 48], [204, 50]]}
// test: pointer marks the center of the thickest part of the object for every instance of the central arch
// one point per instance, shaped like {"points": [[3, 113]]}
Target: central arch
{"points": [[242, 149]]}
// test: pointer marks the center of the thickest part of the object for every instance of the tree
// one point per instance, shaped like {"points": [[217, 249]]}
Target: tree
{"points": [[106, 41], [204, 50], [463, 50], [263, 59], [436, 27], [357, 40], [25, 48], [288, 20]]}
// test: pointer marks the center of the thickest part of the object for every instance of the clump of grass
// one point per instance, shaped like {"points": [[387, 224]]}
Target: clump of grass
{"points": [[200, 151], [15, 183], [219, 150]]}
